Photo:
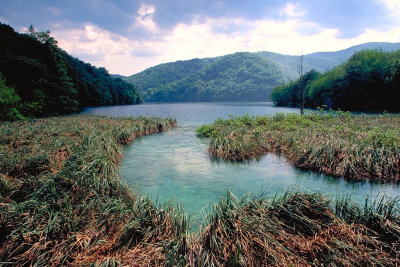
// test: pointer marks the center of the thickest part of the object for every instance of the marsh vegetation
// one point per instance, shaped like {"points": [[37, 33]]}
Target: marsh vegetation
{"points": [[63, 202], [336, 143]]}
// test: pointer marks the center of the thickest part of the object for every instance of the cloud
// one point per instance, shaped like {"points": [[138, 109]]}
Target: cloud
{"points": [[393, 5], [92, 41], [145, 18], [201, 38], [292, 10]]}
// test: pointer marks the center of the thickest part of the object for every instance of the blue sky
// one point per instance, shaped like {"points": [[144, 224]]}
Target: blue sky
{"points": [[128, 36]]}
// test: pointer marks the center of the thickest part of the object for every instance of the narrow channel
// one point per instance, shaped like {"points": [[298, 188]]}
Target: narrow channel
{"points": [[175, 164]]}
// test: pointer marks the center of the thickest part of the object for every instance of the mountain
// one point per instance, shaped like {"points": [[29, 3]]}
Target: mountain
{"points": [[160, 75], [341, 56], [190, 80], [236, 77], [39, 79], [117, 76]]}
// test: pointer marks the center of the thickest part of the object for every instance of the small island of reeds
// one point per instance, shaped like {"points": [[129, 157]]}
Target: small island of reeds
{"points": [[336, 143]]}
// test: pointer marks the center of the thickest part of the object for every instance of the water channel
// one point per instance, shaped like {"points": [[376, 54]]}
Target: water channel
{"points": [[175, 164]]}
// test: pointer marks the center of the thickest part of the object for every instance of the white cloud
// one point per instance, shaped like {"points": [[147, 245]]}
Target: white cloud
{"points": [[393, 5], [145, 18], [199, 39], [292, 10], [92, 40]]}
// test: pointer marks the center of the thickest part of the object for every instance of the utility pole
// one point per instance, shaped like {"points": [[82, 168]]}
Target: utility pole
{"points": [[301, 84]]}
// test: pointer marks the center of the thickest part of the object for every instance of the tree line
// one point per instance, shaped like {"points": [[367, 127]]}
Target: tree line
{"points": [[368, 81], [37, 78]]}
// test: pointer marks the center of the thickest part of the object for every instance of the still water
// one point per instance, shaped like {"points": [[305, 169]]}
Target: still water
{"points": [[175, 164]]}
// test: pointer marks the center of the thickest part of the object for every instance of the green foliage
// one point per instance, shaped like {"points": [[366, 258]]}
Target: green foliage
{"points": [[9, 101], [379, 138], [290, 94], [48, 81], [236, 77], [368, 81]]}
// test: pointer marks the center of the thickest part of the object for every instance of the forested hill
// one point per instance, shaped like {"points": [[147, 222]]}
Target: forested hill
{"points": [[37, 78], [235, 77], [368, 81], [243, 80]]}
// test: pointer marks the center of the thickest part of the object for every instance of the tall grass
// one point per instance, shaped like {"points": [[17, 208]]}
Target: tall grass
{"points": [[63, 203], [299, 229], [337, 143]]}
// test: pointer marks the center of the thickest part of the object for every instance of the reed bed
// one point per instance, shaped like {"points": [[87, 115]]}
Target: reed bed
{"points": [[62, 202], [299, 229], [336, 143]]}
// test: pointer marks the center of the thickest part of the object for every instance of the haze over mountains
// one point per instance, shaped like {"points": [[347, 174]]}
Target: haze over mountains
{"points": [[241, 76]]}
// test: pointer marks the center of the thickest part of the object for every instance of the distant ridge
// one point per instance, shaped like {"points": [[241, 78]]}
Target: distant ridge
{"points": [[117, 76], [236, 77], [323, 61]]}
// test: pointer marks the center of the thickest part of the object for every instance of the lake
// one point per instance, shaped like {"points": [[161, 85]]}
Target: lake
{"points": [[175, 164]]}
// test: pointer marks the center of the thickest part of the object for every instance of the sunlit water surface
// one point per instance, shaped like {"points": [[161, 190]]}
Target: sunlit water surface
{"points": [[175, 164]]}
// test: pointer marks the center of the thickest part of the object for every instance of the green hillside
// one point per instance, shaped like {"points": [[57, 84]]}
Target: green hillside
{"points": [[159, 75], [38, 79], [235, 77], [249, 77]]}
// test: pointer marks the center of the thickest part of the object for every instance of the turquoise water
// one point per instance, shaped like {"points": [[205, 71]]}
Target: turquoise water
{"points": [[175, 164]]}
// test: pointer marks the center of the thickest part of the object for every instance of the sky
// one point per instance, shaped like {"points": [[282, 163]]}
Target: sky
{"points": [[128, 36]]}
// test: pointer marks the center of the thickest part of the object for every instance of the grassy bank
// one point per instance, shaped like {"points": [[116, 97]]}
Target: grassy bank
{"points": [[62, 202], [299, 229], [338, 144]]}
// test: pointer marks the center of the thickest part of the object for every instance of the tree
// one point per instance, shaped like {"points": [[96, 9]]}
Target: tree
{"points": [[301, 85], [368, 81], [8, 102], [43, 37], [46, 81]]}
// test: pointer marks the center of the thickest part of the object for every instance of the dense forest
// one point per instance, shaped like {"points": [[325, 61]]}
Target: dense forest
{"points": [[249, 77], [40, 79], [368, 81], [235, 77]]}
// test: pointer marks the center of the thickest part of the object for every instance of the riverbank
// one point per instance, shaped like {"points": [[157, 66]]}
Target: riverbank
{"points": [[62, 202], [357, 147]]}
